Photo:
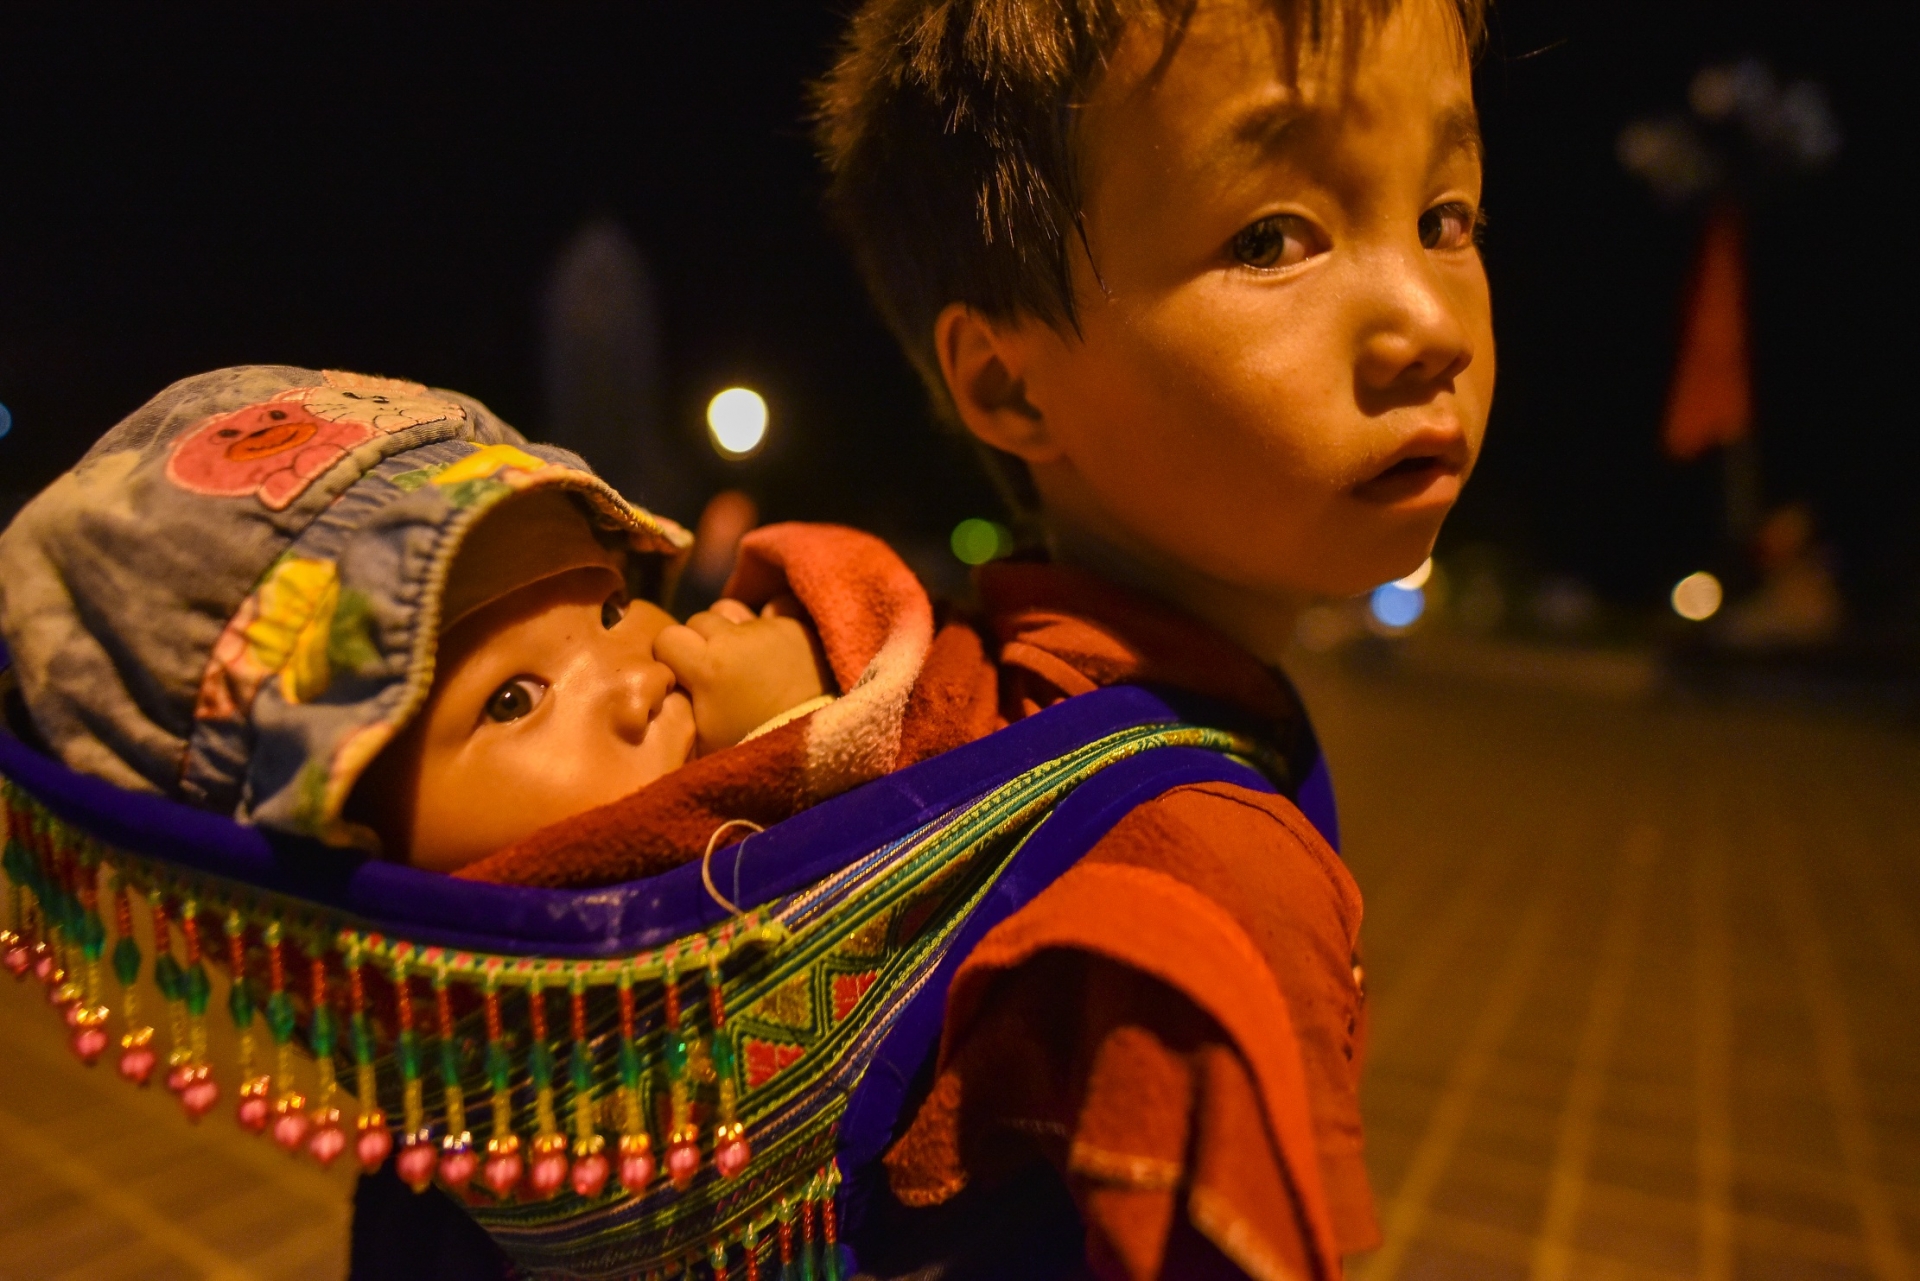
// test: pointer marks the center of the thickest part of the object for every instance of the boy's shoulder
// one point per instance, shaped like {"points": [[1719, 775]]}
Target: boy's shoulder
{"points": [[1254, 852]]}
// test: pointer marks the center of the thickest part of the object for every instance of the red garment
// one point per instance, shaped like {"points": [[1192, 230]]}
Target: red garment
{"points": [[1175, 1024]]}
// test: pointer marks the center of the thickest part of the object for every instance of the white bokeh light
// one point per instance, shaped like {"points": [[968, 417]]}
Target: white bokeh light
{"points": [[1697, 597], [737, 421], [1418, 578]]}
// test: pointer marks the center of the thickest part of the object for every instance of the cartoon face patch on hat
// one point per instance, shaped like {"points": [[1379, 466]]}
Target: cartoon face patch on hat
{"points": [[275, 449]]}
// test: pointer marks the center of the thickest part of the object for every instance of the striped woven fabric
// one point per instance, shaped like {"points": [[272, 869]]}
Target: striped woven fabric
{"points": [[686, 1106]]}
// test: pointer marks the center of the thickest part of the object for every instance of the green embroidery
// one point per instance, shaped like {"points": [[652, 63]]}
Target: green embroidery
{"points": [[352, 641], [310, 796], [418, 478]]}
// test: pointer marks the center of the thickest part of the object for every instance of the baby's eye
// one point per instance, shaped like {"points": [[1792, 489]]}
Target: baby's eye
{"points": [[1279, 241], [612, 610], [517, 698], [1450, 226]]}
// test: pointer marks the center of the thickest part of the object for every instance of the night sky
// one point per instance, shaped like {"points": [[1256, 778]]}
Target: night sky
{"points": [[386, 188]]}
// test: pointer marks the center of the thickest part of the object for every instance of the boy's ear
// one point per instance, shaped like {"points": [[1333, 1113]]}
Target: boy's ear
{"points": [[984, 364]]}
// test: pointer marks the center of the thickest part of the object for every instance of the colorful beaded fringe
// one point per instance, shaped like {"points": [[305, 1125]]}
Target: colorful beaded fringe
{"points": [[687, 1097]]}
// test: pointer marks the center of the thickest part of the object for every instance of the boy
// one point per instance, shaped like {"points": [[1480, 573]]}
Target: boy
{"points": [[1202, 279]]}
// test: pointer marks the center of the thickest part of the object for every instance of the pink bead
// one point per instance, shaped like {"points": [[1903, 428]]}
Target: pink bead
{"points": [[89, 1043], [43, 967], [502, 1173], [731, 1158], [548, 1173], [457, 1166], [327, 1143], [18, 960], [136, 1064], [416, 1163], [636, 1169], [253, 1114], [289, 1128], [179, 1076], [683, 1162], [199, 1096], [590, 1176], [67, 1000], [373, 1147]]}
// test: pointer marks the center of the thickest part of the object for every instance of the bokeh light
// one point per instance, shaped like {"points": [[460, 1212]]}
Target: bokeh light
{"points": [[6, 420], [1697, 597], [1397, 607], [737, 421], [1418, 578], [976, 541]]}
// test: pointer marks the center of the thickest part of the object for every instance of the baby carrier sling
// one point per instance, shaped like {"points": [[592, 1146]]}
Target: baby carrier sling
{"points": [[691, 1075]]}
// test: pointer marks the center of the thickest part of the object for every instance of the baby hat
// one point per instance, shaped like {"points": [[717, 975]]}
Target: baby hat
{"points": [[233, 599]]}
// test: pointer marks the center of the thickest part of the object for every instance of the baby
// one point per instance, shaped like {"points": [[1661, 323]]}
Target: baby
{"points": [[555, 686], [361, 610]]}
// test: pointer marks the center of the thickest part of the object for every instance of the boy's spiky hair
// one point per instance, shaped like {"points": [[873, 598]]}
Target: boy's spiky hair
{"points": [[946, 126]]}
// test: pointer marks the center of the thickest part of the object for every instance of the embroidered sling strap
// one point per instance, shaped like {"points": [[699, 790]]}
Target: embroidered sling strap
{"points": [[632, 1081]]}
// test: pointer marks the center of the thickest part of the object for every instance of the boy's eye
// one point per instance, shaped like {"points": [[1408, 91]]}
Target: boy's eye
{"points": [[517, 698], [1453, 226], [612, 610], [1279, 241]]}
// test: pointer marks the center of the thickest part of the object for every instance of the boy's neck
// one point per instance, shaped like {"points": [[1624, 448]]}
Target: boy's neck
{"points": [[1260, 623]]}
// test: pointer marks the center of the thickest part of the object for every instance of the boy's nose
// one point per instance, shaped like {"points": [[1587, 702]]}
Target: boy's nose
{"points": [[1414, 336]]}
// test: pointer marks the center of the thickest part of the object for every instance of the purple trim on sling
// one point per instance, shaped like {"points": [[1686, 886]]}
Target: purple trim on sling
{"points": [[1077, 823], [1315, 800]]}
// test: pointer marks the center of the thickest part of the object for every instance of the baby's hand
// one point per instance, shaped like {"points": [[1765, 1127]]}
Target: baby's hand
{"points": [[740, 670]]}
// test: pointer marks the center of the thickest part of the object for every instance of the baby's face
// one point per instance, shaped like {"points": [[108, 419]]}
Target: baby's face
{"points": [[547, 702]]}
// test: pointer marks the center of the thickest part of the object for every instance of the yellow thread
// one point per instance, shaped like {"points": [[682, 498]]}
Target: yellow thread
{"points": [[328, 1084], [414, 1105], [283, 1069], [543, 1109]]}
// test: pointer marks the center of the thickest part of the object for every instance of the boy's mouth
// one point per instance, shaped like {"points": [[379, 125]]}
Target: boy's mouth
{"points": [[1427, 470]]}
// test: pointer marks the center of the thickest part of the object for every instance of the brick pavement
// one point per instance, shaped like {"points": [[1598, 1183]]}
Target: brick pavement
{"points": [[1644, 980], [105, 1182]]}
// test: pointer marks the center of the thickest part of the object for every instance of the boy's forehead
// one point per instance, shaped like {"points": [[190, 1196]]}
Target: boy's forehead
{"points": [[1234, 83]]}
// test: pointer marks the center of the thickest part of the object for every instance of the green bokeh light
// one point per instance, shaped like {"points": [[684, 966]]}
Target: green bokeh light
{"points": [[976, 541]]}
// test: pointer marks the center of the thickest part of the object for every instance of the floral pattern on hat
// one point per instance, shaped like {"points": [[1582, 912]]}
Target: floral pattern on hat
{"points": [[281, 630]]}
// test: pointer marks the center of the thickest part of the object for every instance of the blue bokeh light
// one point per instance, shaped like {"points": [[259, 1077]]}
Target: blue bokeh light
{"points": [[1397, 606], [6, 420]]}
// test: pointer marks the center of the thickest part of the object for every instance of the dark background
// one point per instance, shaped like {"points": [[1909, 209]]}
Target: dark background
{"points": [[385, 188]]}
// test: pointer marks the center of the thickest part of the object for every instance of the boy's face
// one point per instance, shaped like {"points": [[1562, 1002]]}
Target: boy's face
{"points": [[548, 702], [1285, 356]]}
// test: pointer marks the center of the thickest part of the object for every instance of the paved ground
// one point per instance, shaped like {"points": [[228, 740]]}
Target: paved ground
{"points": [[1645, 984], [105, 1182], [1646, 1004]]}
